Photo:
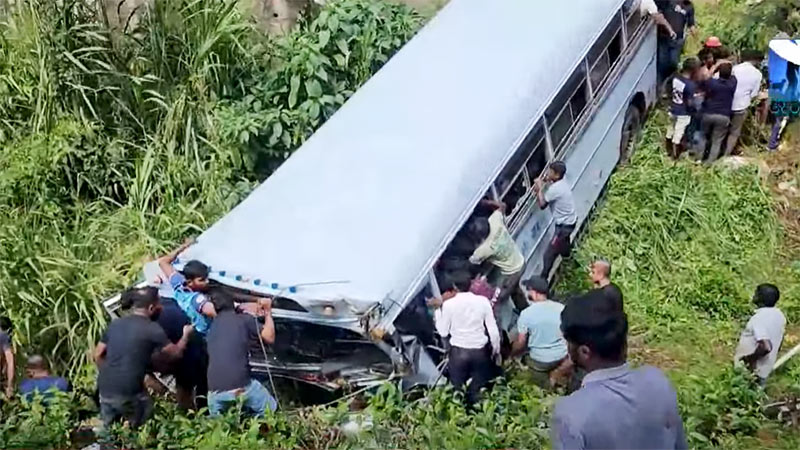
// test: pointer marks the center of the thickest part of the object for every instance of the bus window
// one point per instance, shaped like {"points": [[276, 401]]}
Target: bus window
{"points": [[567, 106], [512, 172], [633, 20], [534, 147], [604, 53]]}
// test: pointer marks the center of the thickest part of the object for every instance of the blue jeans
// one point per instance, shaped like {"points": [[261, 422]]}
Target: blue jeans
{"points": [[256, 399]]}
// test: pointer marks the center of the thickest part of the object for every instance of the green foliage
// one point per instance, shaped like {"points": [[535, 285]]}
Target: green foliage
{"points": [[117, 144], [40, 423], [728, 403]]}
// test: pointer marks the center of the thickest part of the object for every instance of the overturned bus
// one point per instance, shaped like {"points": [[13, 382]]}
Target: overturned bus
{"points": [[346, 234]]}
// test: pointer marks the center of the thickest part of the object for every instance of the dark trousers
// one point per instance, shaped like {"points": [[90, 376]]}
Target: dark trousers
{"points": [[715, 125], [135, 409], [559, 245], [737, 122], [475, 364], [667, 57]]}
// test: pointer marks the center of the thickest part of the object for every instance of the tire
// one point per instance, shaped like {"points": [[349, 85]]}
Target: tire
{"points": [[631, 132]]}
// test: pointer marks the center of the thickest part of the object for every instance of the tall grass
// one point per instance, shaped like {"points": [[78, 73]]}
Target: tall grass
{"points": [[116, 145]]}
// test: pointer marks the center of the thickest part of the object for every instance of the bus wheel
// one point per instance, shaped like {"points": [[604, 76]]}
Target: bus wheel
{"points": [[631, 129]]}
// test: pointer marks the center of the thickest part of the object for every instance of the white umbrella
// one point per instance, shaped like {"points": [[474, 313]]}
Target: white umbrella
{"points": [[787, 49]]}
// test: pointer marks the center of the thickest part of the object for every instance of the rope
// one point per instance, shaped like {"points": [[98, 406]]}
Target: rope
{"points": [[266, 363]]}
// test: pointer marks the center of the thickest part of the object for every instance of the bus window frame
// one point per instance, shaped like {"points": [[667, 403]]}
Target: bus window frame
{"points": [[594, 93]]}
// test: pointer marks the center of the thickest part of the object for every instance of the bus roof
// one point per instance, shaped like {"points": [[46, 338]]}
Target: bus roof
{"points": [[362, 210]]}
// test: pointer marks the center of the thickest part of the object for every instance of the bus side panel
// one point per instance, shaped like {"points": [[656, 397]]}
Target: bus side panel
{"points": [[595, 155]]}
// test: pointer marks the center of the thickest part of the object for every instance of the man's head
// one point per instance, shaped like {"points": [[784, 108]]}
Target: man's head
{"points": [[706, 56], [479, 229], [537, 289], [144, 301], [596, 336], [36, 367], [690, 66], [752, 56], [455, 282], [196, 274], [713, 42], [222, 300], [766, 295], [5, 324], [725, 71], [556, 171], [599, 270]]}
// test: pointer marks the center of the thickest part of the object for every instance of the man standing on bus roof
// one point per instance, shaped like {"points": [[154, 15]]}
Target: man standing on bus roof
{"points": [[558, 196]]}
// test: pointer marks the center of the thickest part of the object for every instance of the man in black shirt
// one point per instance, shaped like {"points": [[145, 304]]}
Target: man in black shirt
{"points": [[190, 370], [124, 355], [680, 16], [600, 273], [229, 341]]}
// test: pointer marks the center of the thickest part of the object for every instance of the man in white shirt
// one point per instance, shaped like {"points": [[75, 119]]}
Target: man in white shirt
{"points": [[748, 86], [466, 319], [762, 337], [558, 197]]}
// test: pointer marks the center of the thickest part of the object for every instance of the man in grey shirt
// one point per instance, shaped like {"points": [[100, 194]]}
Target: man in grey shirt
{"points": [[558, 197], [617, 407]]}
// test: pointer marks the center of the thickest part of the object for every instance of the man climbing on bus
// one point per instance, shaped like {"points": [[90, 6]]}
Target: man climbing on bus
{"points": [[189, 286], [498, 248], [558, 197]]}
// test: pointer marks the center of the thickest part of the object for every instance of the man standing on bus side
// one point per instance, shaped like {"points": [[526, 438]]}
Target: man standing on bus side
{"points": [[498, 247], [559, 198], [680, 15]]}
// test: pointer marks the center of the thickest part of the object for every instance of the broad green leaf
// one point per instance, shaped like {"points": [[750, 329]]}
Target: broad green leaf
{"points": [[340, 60], [342, 45], [294, 90], [324, 37], [313, 110], [313, 88]]}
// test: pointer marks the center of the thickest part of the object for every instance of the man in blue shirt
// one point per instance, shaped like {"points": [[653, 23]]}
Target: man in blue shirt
{"points": [[40, 381], [617, 407], [682, 107], [189, 287], [539, 331]]}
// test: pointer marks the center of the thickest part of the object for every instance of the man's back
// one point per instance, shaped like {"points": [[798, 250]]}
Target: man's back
{"points": [[620, 408], [131, 341], [228, 347], [768, 323], [30, 386], [719, 95]]}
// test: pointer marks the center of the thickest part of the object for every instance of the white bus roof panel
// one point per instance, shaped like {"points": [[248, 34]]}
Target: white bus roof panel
{"points": [[371, 198]]}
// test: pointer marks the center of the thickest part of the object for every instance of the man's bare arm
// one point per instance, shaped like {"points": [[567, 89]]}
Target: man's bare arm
{"points": [[175, 351], [519, 345], [662, 21], [100, 353], [10, 371], [268, 330], [165, 262]]}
